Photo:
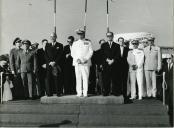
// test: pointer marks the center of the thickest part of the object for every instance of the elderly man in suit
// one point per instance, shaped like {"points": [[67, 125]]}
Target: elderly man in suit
{"points": [[82, 52], [136, 60], [110, 63], [151, 66], [26, 61], [53, 57]]}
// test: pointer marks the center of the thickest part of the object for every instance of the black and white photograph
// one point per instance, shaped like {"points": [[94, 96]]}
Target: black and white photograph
{"points": [[86, 63]]}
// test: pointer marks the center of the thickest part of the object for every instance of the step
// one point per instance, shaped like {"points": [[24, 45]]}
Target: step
{"points": [[91, 109], [59, 125], [65, 109], [123, 120], [72, 99], [122, 110], [43, 119]]}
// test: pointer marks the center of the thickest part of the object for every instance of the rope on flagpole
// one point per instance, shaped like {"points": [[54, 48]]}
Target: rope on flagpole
{"points": [[85, 16], [1, 75], [107, 18], [55, 16]]}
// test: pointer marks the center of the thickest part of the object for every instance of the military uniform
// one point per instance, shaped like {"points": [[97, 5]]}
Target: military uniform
{"points": [[136, 57], [152, 64], [82, 49]]}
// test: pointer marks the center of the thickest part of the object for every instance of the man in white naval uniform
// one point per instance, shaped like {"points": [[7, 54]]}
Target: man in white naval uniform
{"points": [[81, 53], [151, 66], [136, 60]]}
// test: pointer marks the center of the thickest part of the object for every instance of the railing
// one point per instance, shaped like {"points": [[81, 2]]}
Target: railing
{"points": [[1, 86]]}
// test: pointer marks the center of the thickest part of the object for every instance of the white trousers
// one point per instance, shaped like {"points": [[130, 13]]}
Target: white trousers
{"points": [[82, 75], [136, 76], [151, 83]]}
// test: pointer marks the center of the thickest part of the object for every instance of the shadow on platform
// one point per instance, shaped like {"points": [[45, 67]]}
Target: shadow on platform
{"points": [[65, 122]]}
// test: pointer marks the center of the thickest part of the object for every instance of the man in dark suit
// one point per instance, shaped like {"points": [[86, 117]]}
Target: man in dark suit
{"points": [[111, 56], [68, 69], [54, 64], [168, 79], [97, 57], [41, 68], [26, 61], [123, 67]]}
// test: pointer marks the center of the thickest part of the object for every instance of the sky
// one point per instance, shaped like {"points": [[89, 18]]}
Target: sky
{"points": [[33, 20]]}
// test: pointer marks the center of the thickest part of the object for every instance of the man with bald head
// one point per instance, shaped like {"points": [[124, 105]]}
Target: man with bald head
{"points": [[53, 58]]}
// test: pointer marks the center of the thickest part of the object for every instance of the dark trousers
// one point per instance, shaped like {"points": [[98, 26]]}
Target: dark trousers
{"points": [[41, 80], [123, 82], [92, 80], [53, 84], [69, 80], [27, 81], [111, 80], [18, 89]]}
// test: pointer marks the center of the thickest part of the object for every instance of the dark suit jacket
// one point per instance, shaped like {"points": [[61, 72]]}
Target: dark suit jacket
{"points": [[54, 53], [123, 64], [110, 53], [168, 76], [26, 61], [68, 61], [40, 56]]}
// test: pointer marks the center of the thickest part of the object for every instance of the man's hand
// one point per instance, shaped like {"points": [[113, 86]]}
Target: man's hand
{"points": [[79, 61], [110, 62], [12, 72], [85, 61], [44, 66], [67, 55], [158, 70], [134, 67], [52, 63]]}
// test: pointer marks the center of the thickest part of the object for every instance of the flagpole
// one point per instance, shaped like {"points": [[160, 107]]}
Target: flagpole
{"points": [[55, 16], [85, 16], [107, 18]]}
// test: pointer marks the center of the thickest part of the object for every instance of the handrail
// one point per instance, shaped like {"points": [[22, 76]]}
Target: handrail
{"points": [[1, 87]]}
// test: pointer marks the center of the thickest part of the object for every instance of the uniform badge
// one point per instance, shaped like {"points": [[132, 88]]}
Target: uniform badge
{"points": [[86, 43]]}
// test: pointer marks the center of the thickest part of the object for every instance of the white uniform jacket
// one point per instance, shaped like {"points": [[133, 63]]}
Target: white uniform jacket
{"points": [[135, 57], [82, 49]]}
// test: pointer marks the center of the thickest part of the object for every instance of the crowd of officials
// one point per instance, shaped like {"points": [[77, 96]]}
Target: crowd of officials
{"points": [[77, 69]]}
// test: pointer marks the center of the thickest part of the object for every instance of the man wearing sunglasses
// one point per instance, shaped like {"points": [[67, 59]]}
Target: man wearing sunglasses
{"points": [[136, 60], [110, 63]]}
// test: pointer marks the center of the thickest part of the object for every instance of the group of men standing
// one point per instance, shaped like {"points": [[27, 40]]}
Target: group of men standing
{"points": [[59, 69]]}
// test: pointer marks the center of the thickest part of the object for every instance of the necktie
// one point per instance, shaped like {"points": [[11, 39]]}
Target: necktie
{"points": [[110, 43], [150, 48], [168, 66]]}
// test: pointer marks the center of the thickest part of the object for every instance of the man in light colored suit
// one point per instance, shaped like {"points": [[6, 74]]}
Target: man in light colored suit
{"points": [[152, 65], [27, 66], [136, 60], [81, 53]]}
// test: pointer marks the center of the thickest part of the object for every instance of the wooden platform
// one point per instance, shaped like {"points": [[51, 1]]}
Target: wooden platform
{"points": [[73, 99]]}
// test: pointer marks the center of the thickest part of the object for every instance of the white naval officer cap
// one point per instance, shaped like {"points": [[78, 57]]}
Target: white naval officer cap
{"points": [[80, 32]]}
